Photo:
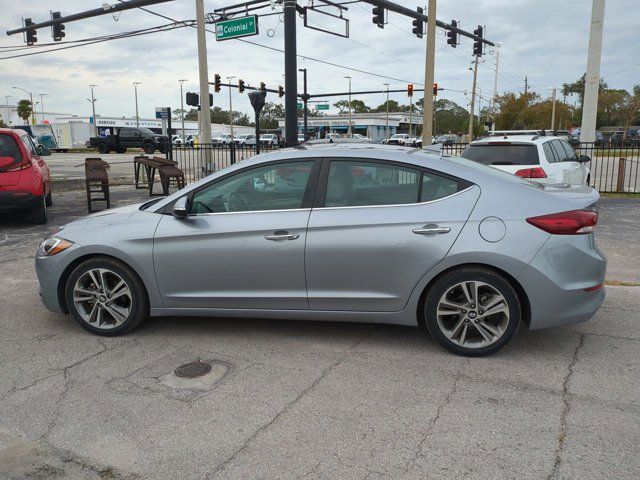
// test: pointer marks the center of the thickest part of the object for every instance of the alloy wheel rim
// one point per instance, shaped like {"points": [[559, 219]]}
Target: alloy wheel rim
{"points": [[102, 298], [473, 314]]}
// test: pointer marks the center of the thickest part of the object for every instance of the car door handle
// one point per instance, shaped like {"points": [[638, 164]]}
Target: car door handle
{"points": [[282, 236], [430, 230]]}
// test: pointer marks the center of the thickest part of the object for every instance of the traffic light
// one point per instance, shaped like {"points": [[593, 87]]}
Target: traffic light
{"points": [[193, 99], [418, 25], [378, 16], [32, 34], [477, 45], [410, 90], [280, 91], [435, 89], [216, 83], [240, 86], [211, 99], [57, 28], [263, 87], [452, 37]]}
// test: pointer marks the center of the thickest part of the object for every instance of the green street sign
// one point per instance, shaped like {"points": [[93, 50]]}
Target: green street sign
{"points": [[236, 28], [299, 105], [322, 106]]}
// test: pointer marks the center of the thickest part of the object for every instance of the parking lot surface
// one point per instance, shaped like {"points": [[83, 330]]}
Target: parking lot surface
{"points": [[288, 399]]}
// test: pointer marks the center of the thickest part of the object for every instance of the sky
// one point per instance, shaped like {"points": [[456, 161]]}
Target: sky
{"points": [[544, 40]]}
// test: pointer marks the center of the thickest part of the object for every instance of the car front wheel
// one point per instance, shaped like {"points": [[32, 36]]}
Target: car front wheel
{"points": [[149, 148], [472, 311], [106, 296]]}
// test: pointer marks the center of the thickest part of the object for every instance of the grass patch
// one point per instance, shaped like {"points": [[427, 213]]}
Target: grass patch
{"points": [[620, 195], [620, 283]]}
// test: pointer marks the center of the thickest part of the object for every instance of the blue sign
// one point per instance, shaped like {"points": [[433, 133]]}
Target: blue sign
{"points": [[162, 112]]}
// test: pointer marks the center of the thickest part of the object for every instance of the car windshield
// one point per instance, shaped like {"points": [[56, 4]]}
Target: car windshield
{"points": [[147, 131], [398, 135], [503, 154], [9, 148]]}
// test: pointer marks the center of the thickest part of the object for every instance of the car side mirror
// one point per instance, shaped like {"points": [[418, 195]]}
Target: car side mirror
{"points": [[42, 151], [181, 207], [584, 159]]}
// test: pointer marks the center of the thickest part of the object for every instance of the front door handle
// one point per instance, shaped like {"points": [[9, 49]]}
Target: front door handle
{"points": [[282, 236], [431, 229]]}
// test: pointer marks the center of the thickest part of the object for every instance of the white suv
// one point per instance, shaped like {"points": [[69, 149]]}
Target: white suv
{"points": [[540, 158]]}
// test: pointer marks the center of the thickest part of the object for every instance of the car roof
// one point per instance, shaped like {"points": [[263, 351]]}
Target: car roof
{"points": [[15, 131], [514, 139]]}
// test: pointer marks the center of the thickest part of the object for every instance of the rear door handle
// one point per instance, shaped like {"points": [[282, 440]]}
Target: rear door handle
{"points": [[282, 236], [430, 230]]}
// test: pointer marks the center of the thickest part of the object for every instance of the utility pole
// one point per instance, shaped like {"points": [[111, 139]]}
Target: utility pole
{"points": [[205, 107], [349, 126], [7, 97], [495, 80], [473, 98], [592, 79], [386, 130], [305, 101], [553, 109], [181, 81], [41, 95], [427, 110], [291, 74], [135, 87], [230, 109], [93, 110]]}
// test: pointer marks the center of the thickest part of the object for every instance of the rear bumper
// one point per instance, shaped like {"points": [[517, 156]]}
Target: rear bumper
{"points": [[557, 278], [13, 200]]}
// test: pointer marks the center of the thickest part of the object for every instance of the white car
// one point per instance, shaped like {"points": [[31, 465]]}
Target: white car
{"points": [[542, 159], [245, 139], [398, 139], [269, 139]]}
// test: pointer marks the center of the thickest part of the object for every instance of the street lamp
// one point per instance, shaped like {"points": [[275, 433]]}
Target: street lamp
{"points": [[7, 97], [135, 86], [33, 114], [181, 81], [230, 108], [386, 130], [93, 111], [42, 104], [553, 108], [349, 126]]}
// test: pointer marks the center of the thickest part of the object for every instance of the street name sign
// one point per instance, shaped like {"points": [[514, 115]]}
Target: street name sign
{"points": [[322, 106], [237, 27]]}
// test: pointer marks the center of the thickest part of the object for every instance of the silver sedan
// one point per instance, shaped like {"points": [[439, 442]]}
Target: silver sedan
{"points": [[332, 232]]}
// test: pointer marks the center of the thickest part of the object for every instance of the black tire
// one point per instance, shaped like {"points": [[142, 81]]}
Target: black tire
{"points": [[39, 213], [139, 306], [149, 148], [472, 274], [121, 150], [48, 201], [103, 148]]}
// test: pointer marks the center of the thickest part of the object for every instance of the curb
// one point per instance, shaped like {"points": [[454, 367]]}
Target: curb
{"points": [[63, 184]]}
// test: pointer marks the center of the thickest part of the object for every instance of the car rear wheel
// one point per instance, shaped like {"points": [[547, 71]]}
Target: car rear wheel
{"points": [[121, 150], [39, 213], [48, 199], [103, 148], [472, 311], [149, 148], [106, 297]]}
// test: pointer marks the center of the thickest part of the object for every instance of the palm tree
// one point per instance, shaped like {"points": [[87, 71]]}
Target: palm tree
{"points": [[25, 109]]}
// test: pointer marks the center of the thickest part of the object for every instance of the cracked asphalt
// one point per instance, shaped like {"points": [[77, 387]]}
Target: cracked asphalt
{"points": [[288, 400]]}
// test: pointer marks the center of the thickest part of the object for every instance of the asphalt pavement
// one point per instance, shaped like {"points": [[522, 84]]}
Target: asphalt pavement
{"points": [[288, 400]]}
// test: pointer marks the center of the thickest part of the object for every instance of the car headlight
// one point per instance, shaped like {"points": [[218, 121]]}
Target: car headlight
{"points": [[53, 246]]}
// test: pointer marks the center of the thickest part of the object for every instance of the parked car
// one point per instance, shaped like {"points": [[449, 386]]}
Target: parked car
{"points": [[25, 180], [269, 139], [223, 140], [177, 140], [245, 139], [190, 139], [447, 139], [442, 248], [301, 138], [574, 138], [543, 159], [398, 139], [121, 138]]}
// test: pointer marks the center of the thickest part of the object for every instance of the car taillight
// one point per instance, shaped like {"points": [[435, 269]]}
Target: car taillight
{"points": [[537, 172], [22, 166], [574, 222]]}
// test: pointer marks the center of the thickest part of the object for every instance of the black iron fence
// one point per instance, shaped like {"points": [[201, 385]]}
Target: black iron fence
{"points": [[613, 168]]}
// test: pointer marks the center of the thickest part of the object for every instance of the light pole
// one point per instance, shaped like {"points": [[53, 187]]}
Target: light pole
{"points": [[230, 108], [7, 97], [42, 104], [135, 86], [305, 101], [386, 130], [349, 126], [181, 81], [33, 111], [93, 111], [553, 108]]}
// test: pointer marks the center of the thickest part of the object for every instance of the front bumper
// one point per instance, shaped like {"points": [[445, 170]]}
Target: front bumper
{"points": [[49, 270], [556, 279]]}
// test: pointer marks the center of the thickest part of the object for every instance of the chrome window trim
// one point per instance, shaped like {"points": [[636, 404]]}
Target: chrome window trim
{"points": [[249, 211]]}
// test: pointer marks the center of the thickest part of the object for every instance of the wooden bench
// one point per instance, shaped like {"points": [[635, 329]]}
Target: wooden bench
{"points": [[168, 170], [97, 181]]}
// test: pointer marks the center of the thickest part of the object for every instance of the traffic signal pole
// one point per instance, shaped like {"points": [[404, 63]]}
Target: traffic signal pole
{"points": [[473, 97], [291, 75], [427, 110], [205, 107]]}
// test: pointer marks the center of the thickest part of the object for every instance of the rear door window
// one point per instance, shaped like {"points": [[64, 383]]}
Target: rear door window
{"points": [[549, 152], [9, 148], [503, 154], [557, 147], [570, 152]]}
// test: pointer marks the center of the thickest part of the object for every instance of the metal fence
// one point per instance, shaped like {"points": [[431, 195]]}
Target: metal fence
{"points": [[613, 168], [201, 160]]}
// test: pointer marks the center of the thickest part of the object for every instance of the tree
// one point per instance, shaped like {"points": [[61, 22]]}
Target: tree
{"points": [[449, 117], [270, 114], [25, 109], [2, 124], [357, 106], [627, 108], [394, 106], [177, 113]]}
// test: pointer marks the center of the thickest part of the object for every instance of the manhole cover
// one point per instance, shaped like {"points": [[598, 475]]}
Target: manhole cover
{"points": [[193, 369]]}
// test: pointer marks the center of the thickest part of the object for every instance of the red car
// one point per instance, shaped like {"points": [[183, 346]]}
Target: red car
{"points": [[25, 181]]}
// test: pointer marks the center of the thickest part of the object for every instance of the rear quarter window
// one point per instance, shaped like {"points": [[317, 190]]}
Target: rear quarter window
{"points": [[9, 148], [503, 154]]}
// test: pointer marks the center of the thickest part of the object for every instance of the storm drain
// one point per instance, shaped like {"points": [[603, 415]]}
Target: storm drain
{"points": [[193, 369]]}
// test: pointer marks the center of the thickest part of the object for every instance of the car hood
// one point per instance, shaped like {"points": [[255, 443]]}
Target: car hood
{"points": [[105, 217]]}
